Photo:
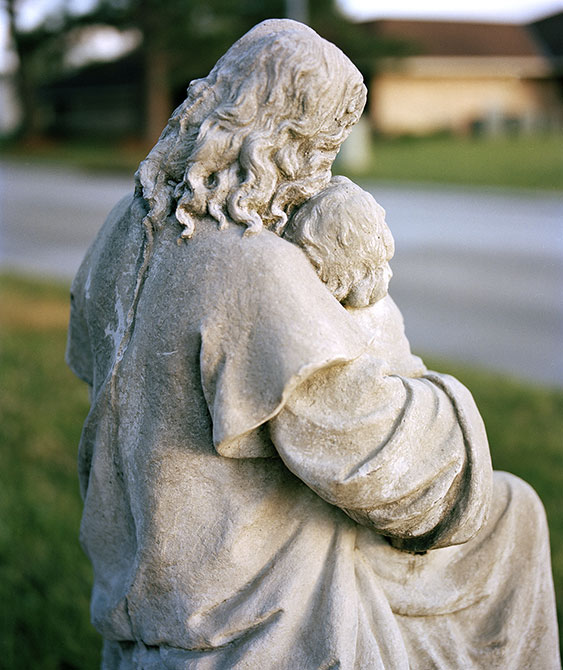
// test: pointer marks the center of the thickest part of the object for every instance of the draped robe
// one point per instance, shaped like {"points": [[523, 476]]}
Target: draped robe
{"points": [[258, 493]]}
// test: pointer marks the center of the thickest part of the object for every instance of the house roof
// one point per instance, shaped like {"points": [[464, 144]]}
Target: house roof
{"points": [[449, 38]]}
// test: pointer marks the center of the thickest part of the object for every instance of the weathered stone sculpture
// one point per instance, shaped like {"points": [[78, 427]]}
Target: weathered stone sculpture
{"points": [[270, 479]]}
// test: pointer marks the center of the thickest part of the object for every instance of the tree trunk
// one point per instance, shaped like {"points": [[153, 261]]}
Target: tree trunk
{"points": [[158, 97], [24, 87]]}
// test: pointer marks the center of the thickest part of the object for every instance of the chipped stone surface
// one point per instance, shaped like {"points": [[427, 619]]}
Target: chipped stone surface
{"points": [[270, 479]]}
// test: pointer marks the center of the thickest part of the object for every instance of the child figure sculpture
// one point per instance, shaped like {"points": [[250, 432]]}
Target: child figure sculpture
{"points": [[343, 232]]}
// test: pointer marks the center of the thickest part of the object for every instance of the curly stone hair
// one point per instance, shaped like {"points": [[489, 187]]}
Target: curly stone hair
{"points": [[343, 232], [257, 136]]}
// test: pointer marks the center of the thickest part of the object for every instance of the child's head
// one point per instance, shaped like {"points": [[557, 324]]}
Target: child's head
{"points": [[342, 230]]}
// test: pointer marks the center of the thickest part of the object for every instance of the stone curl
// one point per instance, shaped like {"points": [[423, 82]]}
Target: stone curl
{"points": [[343, 232], [257, 136]]}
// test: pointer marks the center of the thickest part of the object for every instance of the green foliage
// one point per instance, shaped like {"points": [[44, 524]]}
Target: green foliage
{"points": [[182, 39], [194, 35], [190, 35], [46, 579]]}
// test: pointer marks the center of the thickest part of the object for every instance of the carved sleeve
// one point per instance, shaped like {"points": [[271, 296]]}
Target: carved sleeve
{"points": [[407, 457], [267, 329]]}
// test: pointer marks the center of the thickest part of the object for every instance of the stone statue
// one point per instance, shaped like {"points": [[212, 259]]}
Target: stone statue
{"points": [[344, 234], [270, 479]]}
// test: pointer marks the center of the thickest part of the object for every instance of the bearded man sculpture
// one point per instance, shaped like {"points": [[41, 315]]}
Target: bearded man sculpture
{"points": [[259, 492]]}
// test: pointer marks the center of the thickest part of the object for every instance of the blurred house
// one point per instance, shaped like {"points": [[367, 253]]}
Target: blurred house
{"points": [[469, 77]]}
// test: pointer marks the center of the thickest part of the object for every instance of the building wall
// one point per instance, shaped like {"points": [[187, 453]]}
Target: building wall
{"points": [[419, 101]]}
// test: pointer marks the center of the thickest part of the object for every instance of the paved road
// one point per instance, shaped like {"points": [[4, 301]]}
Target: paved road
{"points": [[50, 216], [478, 273], [479, 276]]}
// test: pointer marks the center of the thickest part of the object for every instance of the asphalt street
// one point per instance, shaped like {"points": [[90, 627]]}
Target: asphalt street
{"points": [[478, 273]]}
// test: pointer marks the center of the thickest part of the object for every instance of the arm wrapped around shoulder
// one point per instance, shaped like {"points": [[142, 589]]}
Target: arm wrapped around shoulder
{"points": [[407, 457]]}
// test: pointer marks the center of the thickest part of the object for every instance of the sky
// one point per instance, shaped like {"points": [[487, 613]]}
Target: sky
{"points": [[515, 11], [512, 11]]}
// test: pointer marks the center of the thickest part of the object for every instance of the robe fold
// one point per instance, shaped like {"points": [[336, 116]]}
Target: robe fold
{"points": [[251, 476]]}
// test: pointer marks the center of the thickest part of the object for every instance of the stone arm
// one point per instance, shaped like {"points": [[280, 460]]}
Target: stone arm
{"points": [[407, 457]]}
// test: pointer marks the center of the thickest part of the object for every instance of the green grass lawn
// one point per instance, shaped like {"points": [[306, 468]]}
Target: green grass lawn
{"points": [[534, 162], [518, 162], [98, 156], [46, 579]]}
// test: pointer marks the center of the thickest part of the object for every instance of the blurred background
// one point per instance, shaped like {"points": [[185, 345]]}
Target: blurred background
{"points": [[461, 142]]}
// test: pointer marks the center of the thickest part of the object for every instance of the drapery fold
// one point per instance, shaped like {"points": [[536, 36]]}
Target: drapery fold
{"points": [[407, 457]]}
